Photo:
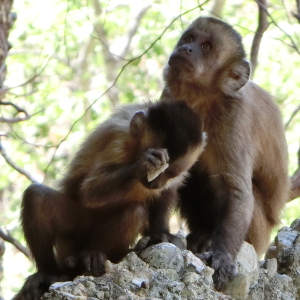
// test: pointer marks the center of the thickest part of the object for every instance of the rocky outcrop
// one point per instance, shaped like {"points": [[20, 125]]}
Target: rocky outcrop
{"points": [[164, 271]]}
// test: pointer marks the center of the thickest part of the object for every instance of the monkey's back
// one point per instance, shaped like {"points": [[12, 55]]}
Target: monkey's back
{"points": [[109, 141], [270, 180], [270, 147]]}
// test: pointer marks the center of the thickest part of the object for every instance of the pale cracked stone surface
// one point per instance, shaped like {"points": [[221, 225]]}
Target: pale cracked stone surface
{"points": [[165, 272]]}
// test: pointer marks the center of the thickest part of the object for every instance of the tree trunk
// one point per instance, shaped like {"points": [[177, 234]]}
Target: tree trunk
{"points": [[217, 8], [7, 19], [2, 249]]}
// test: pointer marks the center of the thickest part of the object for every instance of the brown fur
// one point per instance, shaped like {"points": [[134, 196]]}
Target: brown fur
{"points": [[105, 200], [240, 183]]}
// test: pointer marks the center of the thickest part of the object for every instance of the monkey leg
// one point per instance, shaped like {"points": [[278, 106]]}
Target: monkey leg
{"points": [[260, 228], [36, 215], [159, 216], [45, 215], [109, 236]]}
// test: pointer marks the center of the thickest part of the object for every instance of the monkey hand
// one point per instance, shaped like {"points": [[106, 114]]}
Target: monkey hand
{"points": [[224, 266], [90, 262], [152, 163]]}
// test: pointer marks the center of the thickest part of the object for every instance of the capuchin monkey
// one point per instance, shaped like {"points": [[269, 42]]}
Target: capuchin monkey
{"points": [[240, 183], [121, 183]]}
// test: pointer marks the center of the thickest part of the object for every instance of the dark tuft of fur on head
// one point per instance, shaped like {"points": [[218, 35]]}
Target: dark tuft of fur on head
{"points": [[177, 125]]}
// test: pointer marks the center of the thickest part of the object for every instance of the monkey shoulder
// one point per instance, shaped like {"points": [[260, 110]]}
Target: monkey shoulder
{"points": [[110, 137], [257, 97], [107, 144]]}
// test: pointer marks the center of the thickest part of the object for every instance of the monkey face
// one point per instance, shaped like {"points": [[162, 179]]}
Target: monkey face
{"points": [[169, 137], [208, 53], [179, 168], [192, 52]]}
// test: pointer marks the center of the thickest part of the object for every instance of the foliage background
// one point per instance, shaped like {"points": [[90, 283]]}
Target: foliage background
{"points": [[71, 62]]}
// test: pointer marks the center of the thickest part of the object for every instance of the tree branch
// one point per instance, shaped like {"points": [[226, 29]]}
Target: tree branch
{"points": [[292, 117], [263, 24], [134, 25], [111, 60], [13, 120], [293, 44], [295, 179], [297, 14], [14, 166], [18, 109], [6, 236], [37, 74], [295, 190]]}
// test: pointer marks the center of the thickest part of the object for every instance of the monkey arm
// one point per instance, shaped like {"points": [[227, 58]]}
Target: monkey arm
{"points": [[234, 193], [159, 216], [112, 184], [159, 212]]}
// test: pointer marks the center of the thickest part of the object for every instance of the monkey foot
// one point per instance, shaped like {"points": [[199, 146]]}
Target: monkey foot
{"points": [[145, 242], [223, 265], [35, 286], [166, 238], [90, 262], [197, 242]]}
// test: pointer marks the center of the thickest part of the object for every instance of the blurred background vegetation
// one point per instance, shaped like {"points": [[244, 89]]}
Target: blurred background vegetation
{"points": [[71, 62]]}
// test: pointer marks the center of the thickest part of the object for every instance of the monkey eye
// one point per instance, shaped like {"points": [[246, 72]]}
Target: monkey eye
{"points": [[190, 38], [206, 46]]}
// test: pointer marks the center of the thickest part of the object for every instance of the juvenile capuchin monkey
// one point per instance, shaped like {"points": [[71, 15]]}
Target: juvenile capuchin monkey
{"points": [[121, 183], [240, 183]]}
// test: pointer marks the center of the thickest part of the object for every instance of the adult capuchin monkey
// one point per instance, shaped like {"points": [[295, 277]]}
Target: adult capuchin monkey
{"points": [[240, 183], [122, 182]]}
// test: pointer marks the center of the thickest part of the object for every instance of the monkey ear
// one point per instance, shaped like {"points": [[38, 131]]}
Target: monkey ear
{"points": [[137, 123], [236, 77]]}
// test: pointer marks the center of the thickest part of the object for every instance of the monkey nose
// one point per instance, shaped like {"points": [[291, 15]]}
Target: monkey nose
{"points": [[185, 48]]}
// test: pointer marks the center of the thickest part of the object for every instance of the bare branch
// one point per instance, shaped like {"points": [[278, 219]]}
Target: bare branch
{"points": [[297, 14], [16, 119], [6, 236], [5, 90], [295, 190], [295, 179], [19, 109], [111, 60], [293, 44], [13, 120], [14, 134], [292, 117], [263, 24], [100, 31], [24, 94], [134, 25], [14, 165]]}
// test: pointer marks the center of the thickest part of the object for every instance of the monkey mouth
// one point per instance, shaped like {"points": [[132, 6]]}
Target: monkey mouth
{"points": [[179, 62]]}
